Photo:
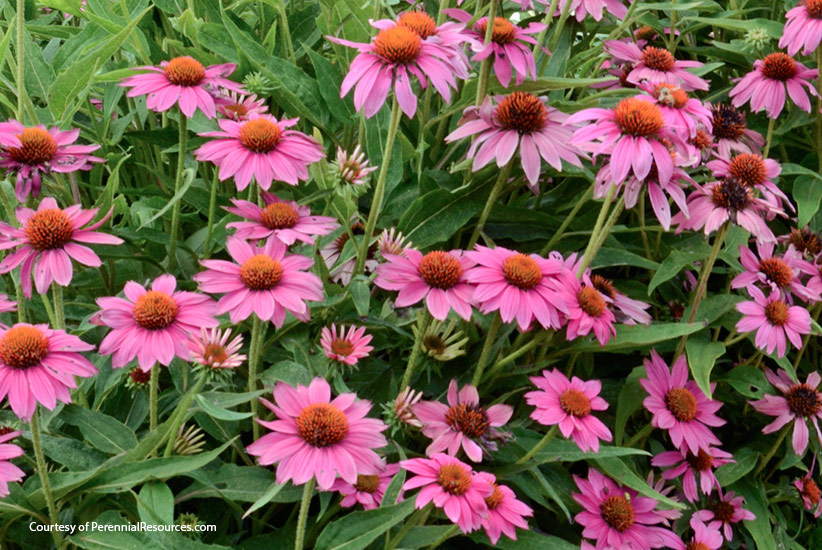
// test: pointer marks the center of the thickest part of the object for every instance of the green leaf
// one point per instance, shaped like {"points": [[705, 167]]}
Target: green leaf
{"points": [[676, 261], [437, 215], [747, 380], [218, 412], [360, 294], [329, 82], [629, 337], [155, 503], [807, 192], [526, 540], [357, 530], [104, 432], [188, 179], [756, 501], [620, 472], [746, 459], [702, 354], [608, 257], [629, 401], [237, 484], [267, 497]]}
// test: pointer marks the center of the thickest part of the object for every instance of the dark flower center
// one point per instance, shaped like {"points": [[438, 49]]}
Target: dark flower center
{"points": [[591, 301], [279, 215], [367, 484], [471, 420], [603, 285], [658, 59], [37, 147], [521, 271], [723, 511], [440, 270], [731, 194], [419, 22], [617, 512], [694, 545], [777, 313], [728, 123], [342, 347], [504, 32], [638, 118], [260, 135], [434, 343], [49, 229], [398, 45], [671, 95], [185, 71], [814, 8], [357, 228], [261, 272], [237, 108], [155, 310], [322, 425], [214, 354], [748, 168], [645, 33], [777, 271], [523, 112], [778, 66], [701, 461], [495, 499], [575, 403], [139, 376], [454, 479], [810, 490], [681, 403], [805, 241], [22, 347], [702, 140], [804, 400]]}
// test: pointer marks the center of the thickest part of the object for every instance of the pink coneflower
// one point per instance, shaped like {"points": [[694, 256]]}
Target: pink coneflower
{"points": [[462, 423], [314, 436], [510, 45], [618, 517], [520, 122], [679, 111], [777, 272], [587, 310], [627, 311], [773, 319], [633, 134], [568, 403], [262, 148], [153, 325], [690, 464], [38, 365], [396, 54], [449, 35], [285, 220], [346, 346], [34, 151], [212, 349], [368, 490], [705, 538], [505, 511], [731, 132], [353, 168], [724, 513], [765, 86], [333, 250], [656, 65], [713, 204], [519, 286], [809, 491], [679, 405], [261, 280], [804, 241], [48, 240], [452, 486], [182, 80], [594, 8], [440, 277], [753, 171], [8, 471], [403, 409], [392, 241], [239, 107], [803, 28], [798, 403]]}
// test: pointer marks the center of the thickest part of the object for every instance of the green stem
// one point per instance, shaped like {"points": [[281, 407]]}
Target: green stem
{"points": [[212, 209], [767, 458], [485, 65], [286, 32], [255, 348], [490, 338], [587, 257], [44, 477], [59, 308], [546, 439], [179, 413], [21, 87], [771, 122], [567, 221], [641, 434], [153, 390], [49, 310], [563, 17], [178, 180], [502, 178], [547, 20], [416, 350], [417, 518], [21, 304], [519, 352], [379, 190], [445, 536], [308, 491]]}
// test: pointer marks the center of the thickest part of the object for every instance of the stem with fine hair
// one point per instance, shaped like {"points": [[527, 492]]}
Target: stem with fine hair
{"points": [[502, 178], [539, 446], [423, 323], [587, 257], [179, 413], [153, 388], [490, 338], [563, 17], [379, 189], [567, 221], [44, 478], [768, 138], [286, 32], [21, 87], [485, 64], [767, 458], [212, 209], [59, 308], [305, 503], [255, 348], [178, 180]]}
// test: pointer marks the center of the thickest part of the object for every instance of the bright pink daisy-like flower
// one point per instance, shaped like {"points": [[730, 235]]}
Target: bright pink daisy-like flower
{"points": [[395, 54], [262, 148], [656, 65], [239, 107], [519, 286], [34, 151], [586, 310], [452, 486], [753, 171], [798, 404], [569, 403], [520, 122], [183, 81], [619, 518], [627, 311], [724, 513], [713, 204], [689, 465], [595, 8], [261, 280], [368, 490], [449, 36], [633, 134], [765, 86], [38, 365], [679, 405], [803, 28], [285, 220], [315, 436], [463, 423], [505, 511], [705, 538], [510, 45], [773, 319], [441, 277], [809, 491], [777, 272], [731, 133], [212, 349], [8, 471], [353, 168], [48, 240], [346, 346], [153, 325], [679, 110]]}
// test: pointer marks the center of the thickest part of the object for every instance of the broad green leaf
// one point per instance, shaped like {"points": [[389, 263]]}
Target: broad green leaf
{"points": [[237, 484], [218, 412], [619, 471], [71, 453], [746, 459], [676, 261], [607, 257], [104, 432], [526, 540], [360, 294], [268, 496], [629, 401], [437, 215], [630, 337], [329, 82], [807, 192], [155, 503], [756, 501], [702, 354], [357, 530], [747, 380]]}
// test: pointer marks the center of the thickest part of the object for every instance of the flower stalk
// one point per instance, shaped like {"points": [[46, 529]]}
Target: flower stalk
{"points": [[502, 178], [254, 353], [179, 413], [490, 339], [415, 351], [305, 503], [546, 439], [178, 180], [44, 477]]}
